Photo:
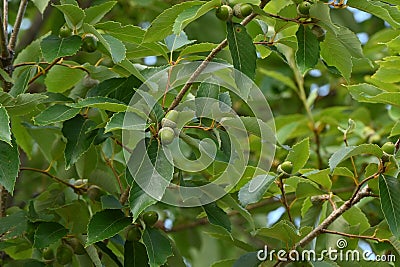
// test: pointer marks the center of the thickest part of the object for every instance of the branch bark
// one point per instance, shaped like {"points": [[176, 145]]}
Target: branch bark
{"points": [[17, 24]]}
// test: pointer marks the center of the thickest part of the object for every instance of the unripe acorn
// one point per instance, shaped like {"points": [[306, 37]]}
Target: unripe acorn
{"points": [[94, 193], [64, 32], [133, 234], [64, 254], [172, 115], [150, 218], [48, 254], [224, 12], [389, 148], [318, 32], [304, 8], [168, 123], [166, 135], [76, 245], [89, 43], [242, 10], [286, 167]]}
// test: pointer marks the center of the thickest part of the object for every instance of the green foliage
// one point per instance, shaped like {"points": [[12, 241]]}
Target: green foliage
{"points": [[112, 110]]}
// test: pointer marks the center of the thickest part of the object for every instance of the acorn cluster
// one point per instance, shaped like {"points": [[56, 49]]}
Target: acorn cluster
{"points": [[169, 131], [232, 8], [89, 41]]}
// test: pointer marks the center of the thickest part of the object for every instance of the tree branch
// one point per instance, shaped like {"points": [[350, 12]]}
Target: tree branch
{"points": [[325, 231], [17, 24], [208, 59], [5, 15]]}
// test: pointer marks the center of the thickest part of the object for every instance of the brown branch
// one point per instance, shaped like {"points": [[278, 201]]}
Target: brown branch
{"points": [[124, 196], [283, 199], [208, 59], [5, 15], [40, 73], [325, 231], [17, 24]]}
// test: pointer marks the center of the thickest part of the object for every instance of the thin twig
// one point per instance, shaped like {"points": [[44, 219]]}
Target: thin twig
{"points": [[48, 63], [208, 59], [284, 200], [17, 24], [40, 73], [124, 196], [3, 43], [325, 231], [5, 15]]}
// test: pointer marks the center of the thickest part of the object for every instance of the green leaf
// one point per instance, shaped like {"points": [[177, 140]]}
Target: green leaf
{"points": [[249, 260], [299, 154], [114, 47], [158, 246], [162, 26], [100, 102], [321, 177], [370, 94], [395, 130], [153, 172], [79, 138], [125, 33], [60, 79], [9, 165], [104, 248], [95, 13], [76, 213], [380, 9], [22, 80], [191, 14], [116, 122], [307, 53], [55, 113], [350, 151], [94, 255], [388, 71], [41, 4], [283, 231], [14, 224], [233, 204], [217, 216], [197, 48], [135, 254], [5, 131], [48, 233], [54, 47], [224, 263], [389, 190], [73, 15], [174, 42], [105, 224], [242, 49], [255, 189], [22, 104]]}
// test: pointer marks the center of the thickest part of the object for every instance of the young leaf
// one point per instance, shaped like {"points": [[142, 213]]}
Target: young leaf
{"points": [[54, 47], [55, 113], [135, 254], [41, 4], [350, 151], [368, 93], [217, 216], [105, 224], [255, 189], [60, 79], [389, 191], [5, 131], [307, 53], [299, 154], [48, 233], [162, 26], [242, 49], [79, 138], [158, 246], [95, 13], [9, 165]]}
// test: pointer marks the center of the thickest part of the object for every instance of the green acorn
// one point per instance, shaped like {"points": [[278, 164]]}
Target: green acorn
{"points": [[224, 13], [150, 218]]}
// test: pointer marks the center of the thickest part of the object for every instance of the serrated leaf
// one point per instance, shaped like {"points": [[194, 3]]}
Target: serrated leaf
{"points": [[22, 104], [116, 122], [9, 165], [114, 47], [48, 233], [5, 130], [307, 53], [100, 102], [152, 171], [162, 26], [217, 216], [22, 80], [14, 224], [284, 231], [389, 191], [105, 224], [60, 79], [158, 246], [54, 47], [371, 94], [79, 138], [135, 254], [242, 49], [233, 204], [73, 15], [55, 113], [299, 154], [255, 189], [191, 14], [197, 48], [95, 13], [350, 151], [174, 42], [41, 4]]}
